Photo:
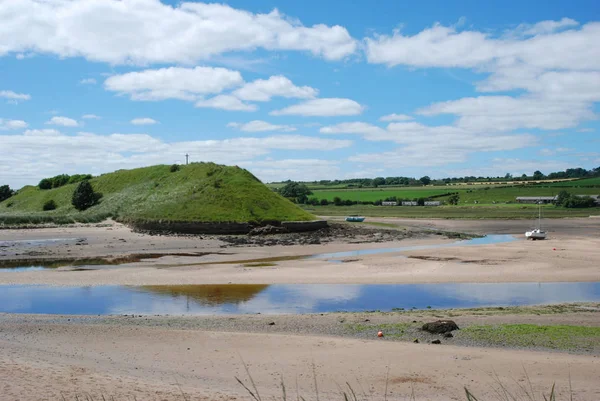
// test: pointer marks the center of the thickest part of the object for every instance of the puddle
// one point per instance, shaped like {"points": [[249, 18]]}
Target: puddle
{"points": [[487, 240], [280, 298]]}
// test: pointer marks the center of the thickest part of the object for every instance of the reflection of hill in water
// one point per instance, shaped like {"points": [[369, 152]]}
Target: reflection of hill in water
{"points": [[210, 294]]}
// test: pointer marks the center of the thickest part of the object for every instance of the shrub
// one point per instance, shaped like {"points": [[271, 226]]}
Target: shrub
{"points": [[49, 205], [337, 201], [5, 192], [174, 168], [45, 183], [324, 202], [454, 199], [84, 196]]}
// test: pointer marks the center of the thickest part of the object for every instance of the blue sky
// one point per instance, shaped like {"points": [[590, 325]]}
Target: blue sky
{"points": [[299, 90]]}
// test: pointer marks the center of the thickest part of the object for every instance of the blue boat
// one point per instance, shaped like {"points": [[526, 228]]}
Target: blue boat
{"points": [[355, 219]]}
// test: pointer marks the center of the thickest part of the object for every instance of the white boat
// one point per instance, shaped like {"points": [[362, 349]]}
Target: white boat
{"points": [[537, 233]]}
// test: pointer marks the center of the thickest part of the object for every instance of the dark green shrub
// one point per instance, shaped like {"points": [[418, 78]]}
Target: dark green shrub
{"points": [[174, 168], [49, 205], [324, 202], [5, 192], [45, 183], [84, 196]]}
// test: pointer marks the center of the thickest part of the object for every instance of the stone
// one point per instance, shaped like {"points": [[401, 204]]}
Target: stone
{"points": [[440, 326], [448, 335], [436, 342], [271, 323], [416, 341]]}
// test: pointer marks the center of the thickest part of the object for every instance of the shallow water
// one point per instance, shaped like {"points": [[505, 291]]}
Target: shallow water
{"points": [[487, 240], [280, 298]]}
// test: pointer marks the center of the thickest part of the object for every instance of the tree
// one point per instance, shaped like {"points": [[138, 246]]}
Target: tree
{"points": [[337, 201], [454, 199], [324, 202], [5, 192], [296, 191], [378, 181], [425, 180], [84, 196], [45, 183], [538, 175]]}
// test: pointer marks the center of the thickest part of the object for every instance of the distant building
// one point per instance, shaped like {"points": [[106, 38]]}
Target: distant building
{"points": [[536, 199], [409, 203], [389, 203], [432, 203]]}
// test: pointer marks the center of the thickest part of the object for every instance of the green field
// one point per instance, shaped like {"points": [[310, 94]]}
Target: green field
{"points": [[373, 194], [204, 192], [468, 195]]}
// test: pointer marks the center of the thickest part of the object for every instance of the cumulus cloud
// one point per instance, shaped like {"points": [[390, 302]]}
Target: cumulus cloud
{"points": [[63, 121], [90, 117], [294, 169], [149, 31], [262, 90], [326, 107], [546, 27], [143, 121], [39, 153], [395, 117], [260, 126], [14, 97], [88, 81], [12, 124], [174, 83], [226, 102]]}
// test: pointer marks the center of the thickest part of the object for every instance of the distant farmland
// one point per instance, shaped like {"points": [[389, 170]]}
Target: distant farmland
{"points": [[468, 195]]}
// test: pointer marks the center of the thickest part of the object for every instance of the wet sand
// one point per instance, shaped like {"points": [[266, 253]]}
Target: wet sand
{"points": [[562, 257]]}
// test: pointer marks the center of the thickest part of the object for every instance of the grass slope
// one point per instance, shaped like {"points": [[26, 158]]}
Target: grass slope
{"points": [[204, 192]]}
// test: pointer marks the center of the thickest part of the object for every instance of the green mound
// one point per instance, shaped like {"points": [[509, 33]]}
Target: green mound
{"points": [[199, 192]]}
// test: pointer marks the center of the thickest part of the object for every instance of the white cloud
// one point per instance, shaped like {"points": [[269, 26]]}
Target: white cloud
{"points": [[13, 96], [143, 121], [12, 124], [441, 46], [90, 117], [88, 81], [260, 126], [546, 27], [226, 102], [294, 169], [63, 121], [423, 145], [326, 107], [395, 117], [502, 113], [262, 90], [174, 83], [144, 32], [39, 153]]}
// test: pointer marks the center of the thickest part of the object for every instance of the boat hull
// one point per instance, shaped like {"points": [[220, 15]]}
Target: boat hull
{"points": [[355, 219], [535, 235]]}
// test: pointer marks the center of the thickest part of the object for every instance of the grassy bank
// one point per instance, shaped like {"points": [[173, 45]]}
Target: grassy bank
{"points": [[204, 192], [513, 211]]}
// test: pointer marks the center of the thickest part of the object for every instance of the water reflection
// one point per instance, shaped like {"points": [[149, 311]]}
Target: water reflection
{"points": [[273, 299]]}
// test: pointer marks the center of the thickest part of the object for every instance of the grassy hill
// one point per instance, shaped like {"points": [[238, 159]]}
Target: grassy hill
{"points": [[204, 192]]}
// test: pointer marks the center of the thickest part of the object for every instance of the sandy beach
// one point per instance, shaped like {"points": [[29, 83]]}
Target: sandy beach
{"points": [[45, 357]]}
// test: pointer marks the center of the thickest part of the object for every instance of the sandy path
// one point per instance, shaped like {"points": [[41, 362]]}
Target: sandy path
{"points": [[43, 361]]}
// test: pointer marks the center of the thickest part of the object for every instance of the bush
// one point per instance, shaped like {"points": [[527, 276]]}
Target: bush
{"points": [[5, 192], [45, 183], [454, 199], [324, 202], [174, 168], [49, 205], [84, 196], [337, 201]]}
